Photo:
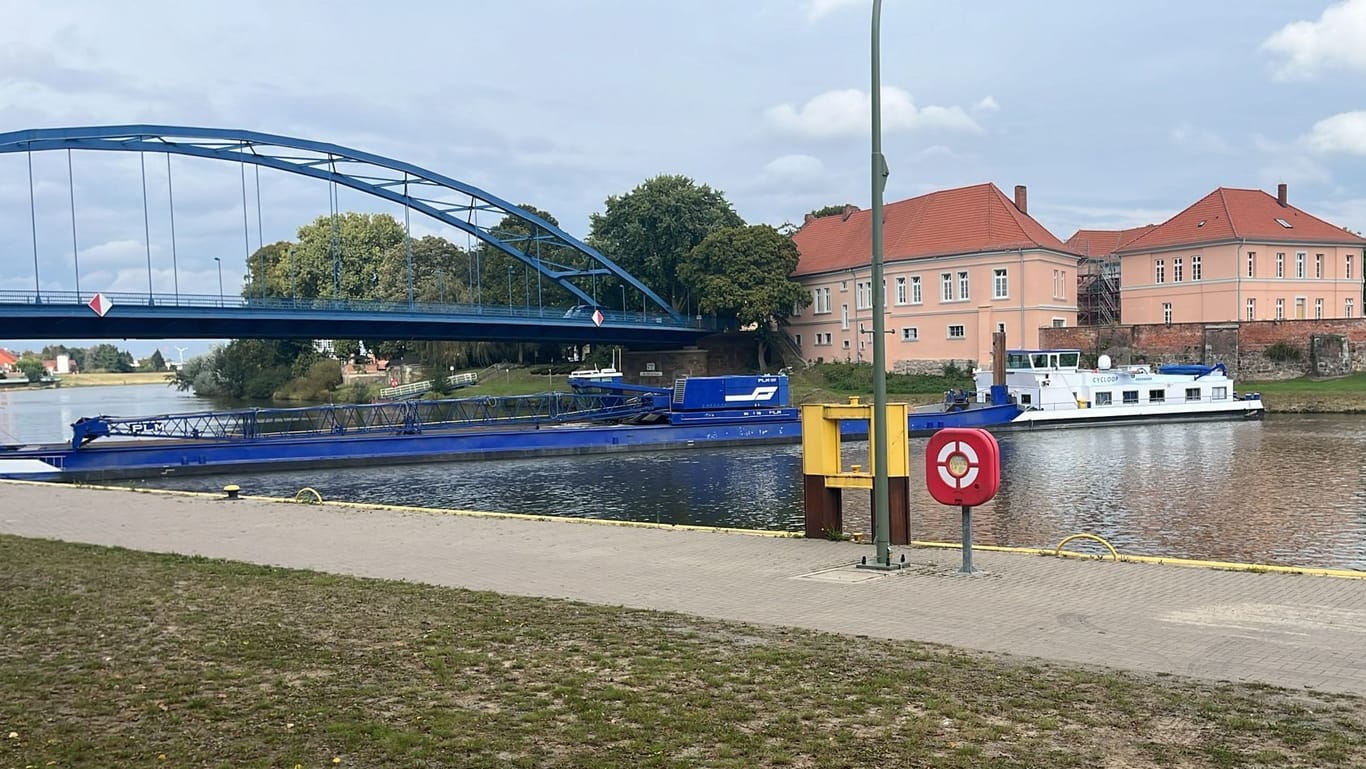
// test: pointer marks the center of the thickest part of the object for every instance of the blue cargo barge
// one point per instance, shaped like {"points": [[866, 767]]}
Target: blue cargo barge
{"points": [[602, 415]]}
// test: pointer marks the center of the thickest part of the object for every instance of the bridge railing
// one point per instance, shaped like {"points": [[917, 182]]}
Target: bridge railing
{"points": [[575, 315]]}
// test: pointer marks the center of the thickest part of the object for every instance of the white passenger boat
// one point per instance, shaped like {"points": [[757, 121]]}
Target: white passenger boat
{"points": [[1051, 389]]}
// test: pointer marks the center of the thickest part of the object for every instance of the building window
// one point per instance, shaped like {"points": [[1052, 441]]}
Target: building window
{"points": [[1318, 309], [1157, 396], [1104, 399], [1347, 307], [1167, 313], [1251, 309], [824, 340], [1300, 258], [1318, 265], [1280, 309], [957, 331], [1195, 268], [1130, 397], [1280, 265], [1000, 285], [1176, 270], [916, 296], [846, 344], [1059, 284], [1192, 393], [844, 317], [901, 290], [946, 287], [910, 334], [863, 294], [1000, 328], [1059, 322], [796, 309], [822, 297], [1161, 272], [797, 338], [1252, 264], [844, 286], [1348, 273], [962, 285]]}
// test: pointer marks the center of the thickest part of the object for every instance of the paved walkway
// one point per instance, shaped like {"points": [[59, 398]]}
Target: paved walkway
{"points": [[1286, 630]]}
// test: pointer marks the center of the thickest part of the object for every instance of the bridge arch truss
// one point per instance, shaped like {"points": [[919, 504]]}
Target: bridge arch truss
{"points": [[570, 263]]}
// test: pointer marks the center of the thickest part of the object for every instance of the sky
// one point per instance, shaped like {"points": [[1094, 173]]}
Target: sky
{"points": [[1113, 114]]}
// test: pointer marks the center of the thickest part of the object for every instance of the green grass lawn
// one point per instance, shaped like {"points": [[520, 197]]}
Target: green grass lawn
{"points": [[1353, 383], [118, 658]]}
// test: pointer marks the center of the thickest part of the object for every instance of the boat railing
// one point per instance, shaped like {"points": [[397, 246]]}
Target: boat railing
{"points": [[397, 418]]}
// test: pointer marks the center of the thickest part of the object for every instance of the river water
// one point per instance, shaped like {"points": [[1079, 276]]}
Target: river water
{"points": [[1290, 490]]}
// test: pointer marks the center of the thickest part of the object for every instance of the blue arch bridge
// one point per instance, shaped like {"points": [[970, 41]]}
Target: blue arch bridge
{"points": [[566, 267]]}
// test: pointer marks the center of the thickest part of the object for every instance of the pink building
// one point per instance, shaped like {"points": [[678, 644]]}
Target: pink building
{"points": [[1240, 255], [958, 265]]}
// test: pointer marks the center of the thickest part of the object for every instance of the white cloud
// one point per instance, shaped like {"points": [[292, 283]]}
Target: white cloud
{"points": [[795, 167], [1336, 41], [816, 9], [1199, 139], [986, 104], [847, 113], [1293, 169], [1344, 132]]}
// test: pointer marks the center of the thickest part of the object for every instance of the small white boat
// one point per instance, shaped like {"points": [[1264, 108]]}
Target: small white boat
{"points": [[1051, 389]]}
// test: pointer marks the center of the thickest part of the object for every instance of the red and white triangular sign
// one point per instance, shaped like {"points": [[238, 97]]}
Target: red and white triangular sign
{"points": [[597, 317], [100, 304]]}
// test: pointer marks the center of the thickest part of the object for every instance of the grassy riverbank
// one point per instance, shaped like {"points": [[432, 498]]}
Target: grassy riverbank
{"points": [[101, 379], [1340, 395], [119, 658]]}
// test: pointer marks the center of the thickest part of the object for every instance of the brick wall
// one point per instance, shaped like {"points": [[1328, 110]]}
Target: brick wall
{"points": [[1325, 347]]}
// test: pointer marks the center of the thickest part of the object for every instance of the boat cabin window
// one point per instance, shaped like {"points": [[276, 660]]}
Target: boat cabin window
{"points": [[1192, 393], [1157, 396], [1017, 360], [1131, 396], [1025, 399], [1069, 359], [1219, 393], [1039, 360], [1104, 399]]}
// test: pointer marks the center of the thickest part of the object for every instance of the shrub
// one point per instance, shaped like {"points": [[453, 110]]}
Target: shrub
{"points": [[1283, 352]]}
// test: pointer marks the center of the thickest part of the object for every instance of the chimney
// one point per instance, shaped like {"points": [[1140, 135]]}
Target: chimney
{"points": [[849, 210], [1280, 194], [1022, 199], [810, 217]]}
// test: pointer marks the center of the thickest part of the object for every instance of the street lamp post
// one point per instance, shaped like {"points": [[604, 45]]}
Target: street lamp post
{"points": [[881, 516], [509, 288], [623, 298], [219, 262]]}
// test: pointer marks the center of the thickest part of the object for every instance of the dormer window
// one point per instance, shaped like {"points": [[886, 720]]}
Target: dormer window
{"points": [[1284, 223], [1201, 224]]}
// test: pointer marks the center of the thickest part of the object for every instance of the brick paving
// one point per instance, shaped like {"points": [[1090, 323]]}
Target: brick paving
{"points": [[1286, 630]]}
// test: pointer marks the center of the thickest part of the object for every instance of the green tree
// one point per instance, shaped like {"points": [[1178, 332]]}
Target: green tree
{"points": [[32, 367], [107, 357], [155, 362], [742, 272], [653, 228], [253, 369], [821, 213]]}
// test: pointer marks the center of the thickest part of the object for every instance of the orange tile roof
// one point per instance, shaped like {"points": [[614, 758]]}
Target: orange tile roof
{"points": [[966, 220], [1236, 214], [7, 358], [1101, 243]]}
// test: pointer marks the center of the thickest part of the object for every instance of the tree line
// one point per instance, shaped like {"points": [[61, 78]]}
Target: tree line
{"points": [[683, 240], [100, 357]]}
